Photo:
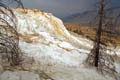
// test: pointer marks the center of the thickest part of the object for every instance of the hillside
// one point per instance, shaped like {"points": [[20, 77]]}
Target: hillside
{"points": [[89, 32], [87, 17], [81, 18]]}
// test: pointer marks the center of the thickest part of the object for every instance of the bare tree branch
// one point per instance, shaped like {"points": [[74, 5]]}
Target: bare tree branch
{"points": [[9, 38]]}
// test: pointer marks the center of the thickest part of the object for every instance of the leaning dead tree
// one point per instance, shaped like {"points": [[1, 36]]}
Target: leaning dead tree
{"points": [[10, 54], [100, 55]]}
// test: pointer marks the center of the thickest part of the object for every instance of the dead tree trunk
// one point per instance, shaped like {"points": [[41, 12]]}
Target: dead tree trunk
{"points": [[98, 33]]}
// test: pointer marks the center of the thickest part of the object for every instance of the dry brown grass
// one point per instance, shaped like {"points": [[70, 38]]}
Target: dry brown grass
{"points": [[90, 33]]}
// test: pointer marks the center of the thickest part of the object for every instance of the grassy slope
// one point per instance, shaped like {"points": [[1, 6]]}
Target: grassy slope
{"points": [[89, 33]]}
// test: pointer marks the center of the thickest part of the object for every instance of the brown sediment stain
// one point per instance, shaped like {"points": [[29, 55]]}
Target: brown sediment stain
{"points": [[35, 39], [26, 10], [29, 37]]}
